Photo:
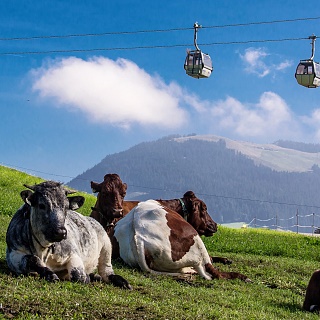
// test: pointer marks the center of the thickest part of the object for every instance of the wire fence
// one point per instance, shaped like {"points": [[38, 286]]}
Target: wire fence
{"points": [[309, 223]]}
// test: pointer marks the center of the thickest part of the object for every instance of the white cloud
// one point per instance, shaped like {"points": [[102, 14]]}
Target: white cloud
{"points": [[313, 123], [116, 92], [254, 60], [284, 65], [268, 119], [119, 93]]}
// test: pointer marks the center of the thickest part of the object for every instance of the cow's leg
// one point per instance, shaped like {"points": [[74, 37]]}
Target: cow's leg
{"points": [[76, 270], [105, 269], [216, 274], [27, 263], [312, 299], [220, 260]]}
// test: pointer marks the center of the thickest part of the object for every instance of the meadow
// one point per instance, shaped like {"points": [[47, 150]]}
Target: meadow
{"points": [[278, 263]]}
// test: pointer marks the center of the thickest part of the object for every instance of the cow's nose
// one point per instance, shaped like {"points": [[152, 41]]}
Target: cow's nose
{"points": [[61, 234], [117, 213]]}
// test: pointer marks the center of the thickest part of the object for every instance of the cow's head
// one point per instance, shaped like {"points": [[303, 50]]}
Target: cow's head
{"points": [[48, 205], [198, 215], [111, 193]]}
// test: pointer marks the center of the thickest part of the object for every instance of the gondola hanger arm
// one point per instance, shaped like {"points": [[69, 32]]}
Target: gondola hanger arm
{"points": [[196, 27], [313, 38]]}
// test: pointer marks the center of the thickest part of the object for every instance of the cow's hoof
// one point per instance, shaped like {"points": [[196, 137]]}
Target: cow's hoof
{"points": [[77, 275], [120, 282], [227, 261], [52, 277], [95, 277], [314, 308]]}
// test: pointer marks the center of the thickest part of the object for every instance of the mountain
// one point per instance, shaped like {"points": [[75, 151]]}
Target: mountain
{"points": [[239, 181]]}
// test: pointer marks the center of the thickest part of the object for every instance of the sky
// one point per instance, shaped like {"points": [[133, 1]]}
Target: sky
{"points": [[80, 80]]}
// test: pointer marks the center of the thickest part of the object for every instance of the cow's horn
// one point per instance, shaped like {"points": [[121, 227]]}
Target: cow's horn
{"points": [[29, 187]]}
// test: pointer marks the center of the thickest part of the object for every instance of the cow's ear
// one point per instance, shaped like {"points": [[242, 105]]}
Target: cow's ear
{"points": [[75, 202], [25, 194], [96, 187]]}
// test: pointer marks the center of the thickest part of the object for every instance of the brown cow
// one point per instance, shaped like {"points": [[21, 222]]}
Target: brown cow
{"points": [[111, 193], [312, 299], [110, 208]]}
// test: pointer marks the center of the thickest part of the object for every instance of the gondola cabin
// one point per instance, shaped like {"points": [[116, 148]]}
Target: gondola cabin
{"points": [[198, 64], [308, 73]]}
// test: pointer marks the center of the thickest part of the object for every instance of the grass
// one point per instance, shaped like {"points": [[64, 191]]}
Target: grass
{"points": [[279, 264]]}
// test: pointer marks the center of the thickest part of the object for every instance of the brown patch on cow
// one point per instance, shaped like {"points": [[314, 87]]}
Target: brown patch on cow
{"points": [[114, 244], [181, 234]]}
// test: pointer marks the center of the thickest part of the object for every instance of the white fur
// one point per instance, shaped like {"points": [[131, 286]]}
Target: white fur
{"points": [[145, 228]]}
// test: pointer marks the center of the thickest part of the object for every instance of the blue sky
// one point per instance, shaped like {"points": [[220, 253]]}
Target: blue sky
{"points": [[64, 106]]}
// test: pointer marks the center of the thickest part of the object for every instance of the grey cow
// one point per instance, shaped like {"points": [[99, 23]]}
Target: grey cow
{"points": [[47, 237]]}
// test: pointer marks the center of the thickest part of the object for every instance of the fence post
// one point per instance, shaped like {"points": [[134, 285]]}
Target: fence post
{"points": [[312, 223], [297, 214], [276, 217]]}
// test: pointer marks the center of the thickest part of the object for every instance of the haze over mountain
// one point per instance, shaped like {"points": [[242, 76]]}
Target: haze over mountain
{"points": [[238, 180]]}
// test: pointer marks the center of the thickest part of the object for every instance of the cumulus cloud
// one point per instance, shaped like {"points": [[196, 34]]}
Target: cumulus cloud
{"points": [[313, 123], [115, 92], [269, 118], [255, 62], [121, 94]]}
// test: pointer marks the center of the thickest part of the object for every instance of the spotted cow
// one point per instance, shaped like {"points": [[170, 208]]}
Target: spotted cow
{"points": [[158, 240], [47, 237], [110, 207]]}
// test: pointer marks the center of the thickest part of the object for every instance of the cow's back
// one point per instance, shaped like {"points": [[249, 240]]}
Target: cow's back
{"points": [[151, 238], [144, 222]]}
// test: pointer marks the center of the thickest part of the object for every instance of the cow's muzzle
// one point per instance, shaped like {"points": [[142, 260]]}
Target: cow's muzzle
{"points": [[60, 234], [117, 213]]}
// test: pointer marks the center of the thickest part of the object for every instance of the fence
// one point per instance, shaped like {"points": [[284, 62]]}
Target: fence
{"points": [[309, 223]]}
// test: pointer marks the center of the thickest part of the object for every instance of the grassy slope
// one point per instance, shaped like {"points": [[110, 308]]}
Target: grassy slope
{"points": [[280, 265]]}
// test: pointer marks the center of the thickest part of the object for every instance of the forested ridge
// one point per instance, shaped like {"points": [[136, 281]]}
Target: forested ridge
{"points": [[233, 187]]}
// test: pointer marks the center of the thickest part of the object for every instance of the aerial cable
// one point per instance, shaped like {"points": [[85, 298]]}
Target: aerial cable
{"points": [[147, 47], [155, 30]]}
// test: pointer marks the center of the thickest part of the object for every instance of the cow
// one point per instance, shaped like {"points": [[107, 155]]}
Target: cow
{"points": [[111, 207], [111, 192], [312, 298], [46, 236], [159, 241]]}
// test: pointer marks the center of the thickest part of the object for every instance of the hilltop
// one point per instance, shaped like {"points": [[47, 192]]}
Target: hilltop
{"points": [[238, 180]]}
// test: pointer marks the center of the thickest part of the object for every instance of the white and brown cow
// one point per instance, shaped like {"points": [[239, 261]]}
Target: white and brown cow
{"points": [[158, 240], [47, 237], [110, 207]]}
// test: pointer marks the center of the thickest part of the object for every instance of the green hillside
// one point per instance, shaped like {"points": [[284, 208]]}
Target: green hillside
{"points": [[279, 264], [11, 184]]}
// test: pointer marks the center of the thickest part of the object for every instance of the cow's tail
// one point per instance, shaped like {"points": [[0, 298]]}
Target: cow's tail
{"points": [[140, 254]]}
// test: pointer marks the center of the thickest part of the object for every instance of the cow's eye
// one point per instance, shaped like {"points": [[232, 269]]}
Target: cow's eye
{"points": [[42, 206]]}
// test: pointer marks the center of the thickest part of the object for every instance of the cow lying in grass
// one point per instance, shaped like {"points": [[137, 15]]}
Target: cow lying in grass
{"points": [[47, 237], [111, 207], [158, 240], [312, 298]]}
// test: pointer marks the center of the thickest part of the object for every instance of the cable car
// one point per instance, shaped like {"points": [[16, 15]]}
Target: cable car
{"points": [[197, 64], [308, 71]]}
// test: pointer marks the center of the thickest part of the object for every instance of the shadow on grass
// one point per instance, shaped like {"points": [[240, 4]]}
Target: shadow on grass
{"points": [[293, 307], [4, 269]]}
